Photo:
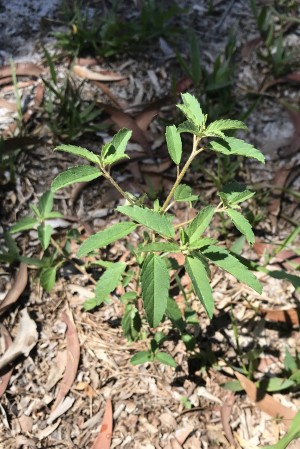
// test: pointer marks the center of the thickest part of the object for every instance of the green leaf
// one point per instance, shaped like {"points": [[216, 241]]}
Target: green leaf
{"points": [[242, 224], [150, 219], [53, 214], [232, 385], [290, 362], [233, 146], [292, 434], [165, 358], [79, 151], [24, 224], [234, 193], [79, 173], [11, 245], [160, 247], [223, 259], [105, 237], [174, 144], [202, 242], [106, 284], [196, 228], [196, 267], [191, 109], [142, 357], [115, 150], [216, 128], [45, 203], [295, 377], [131, 323], [188, 127], [275, 384], [47, 278], [155, 288], [281, 274], [121, 139], [174, 314], [44, 234], [238, 245], [184, 193]]}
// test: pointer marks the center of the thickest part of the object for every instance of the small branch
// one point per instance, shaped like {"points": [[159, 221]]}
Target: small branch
{"points": [[119, 189], [78, 267], [193, 154]]}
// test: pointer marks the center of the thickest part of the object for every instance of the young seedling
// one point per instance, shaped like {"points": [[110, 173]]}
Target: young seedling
{"points": [[159, 236], [53, 254]]}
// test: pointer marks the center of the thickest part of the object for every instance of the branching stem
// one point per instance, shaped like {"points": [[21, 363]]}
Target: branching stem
{"points": [[119, 189], [180, 176]]}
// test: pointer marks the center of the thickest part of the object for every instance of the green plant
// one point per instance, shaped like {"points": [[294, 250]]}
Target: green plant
{"points": [[68, 115], [108, 33], [53, 255], [292, 434], [280, 58], [213, 87], [150, 275], [18, 97]]}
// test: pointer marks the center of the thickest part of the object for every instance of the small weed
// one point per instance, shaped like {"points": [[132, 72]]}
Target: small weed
{"points": [[108, 33], [150, 278], [275, 54], [67, 114], [212, 87]]}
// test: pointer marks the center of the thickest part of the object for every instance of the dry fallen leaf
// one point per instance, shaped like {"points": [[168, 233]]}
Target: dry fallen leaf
{"points": [[265, 402], [124, 120], [103, 75], [182, 434], [289, 316], [8, 105], [225, 417], [25, 340], [121, 104], [103, 440], [16, 290], [7, 343], [22, 69], [73, 354]]}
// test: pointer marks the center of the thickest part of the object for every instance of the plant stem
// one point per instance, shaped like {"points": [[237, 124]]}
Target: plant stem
{"points": [[119, 189], [193, 154], [78, 267]]}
